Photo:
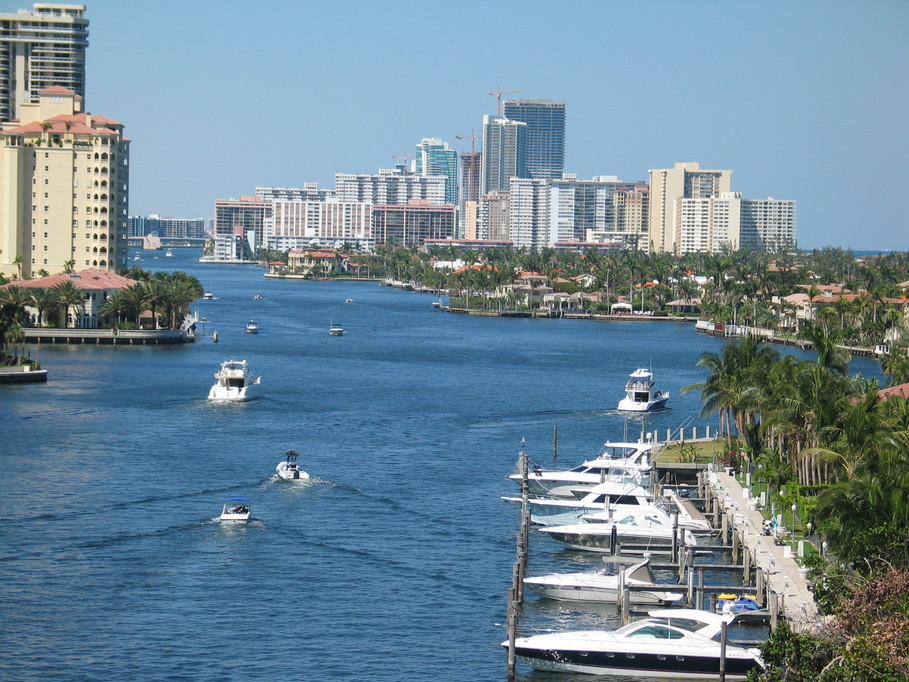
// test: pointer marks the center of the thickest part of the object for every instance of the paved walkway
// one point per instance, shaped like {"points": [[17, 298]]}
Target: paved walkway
{"points": [[777, 561]]}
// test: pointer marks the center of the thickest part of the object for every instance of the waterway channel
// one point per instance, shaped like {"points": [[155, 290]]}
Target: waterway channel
{"points": [[394, 567]]}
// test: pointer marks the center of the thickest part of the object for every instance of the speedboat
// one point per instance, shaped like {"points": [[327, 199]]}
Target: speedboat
{"points": [[168, 253], [236, 509], [258, 297], [616, 461], [252, 327], [348, 300], [289, 470], [632, 529], [335, 329], [234, 383], [639, 393], [669, 644], [598, 586], [207, 296]]}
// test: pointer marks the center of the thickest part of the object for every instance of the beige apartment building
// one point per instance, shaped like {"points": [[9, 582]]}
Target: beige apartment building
{"points": [[64, 188], [667, 187]]}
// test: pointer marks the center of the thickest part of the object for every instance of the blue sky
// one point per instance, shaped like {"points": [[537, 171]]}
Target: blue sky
{"points": [[801, 100]]}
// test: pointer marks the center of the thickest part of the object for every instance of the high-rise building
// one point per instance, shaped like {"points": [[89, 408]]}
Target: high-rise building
{"points": [[503, 153], [413, 223], [544, 138], [389, 186], [64, 188], [529, 213], [603, 209], [168, 228], [767, 224], [707, 224], [667, 186], [435, 157], [240, 226], [39, 49]]}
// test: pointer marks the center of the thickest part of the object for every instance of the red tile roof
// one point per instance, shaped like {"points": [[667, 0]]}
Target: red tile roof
{"points": [[902, 391], [91, 278], [56, 90]]}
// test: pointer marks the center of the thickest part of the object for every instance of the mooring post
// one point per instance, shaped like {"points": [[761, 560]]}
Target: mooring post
{"points": [[774, 610], [700, 598], [555, 442], [735, 547], [511, 627], [746, 562], [724, 627]]}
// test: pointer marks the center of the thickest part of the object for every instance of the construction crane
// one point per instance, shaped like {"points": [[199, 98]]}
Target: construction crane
{"points": [[473, 175], [498, 95], [402, 164]]}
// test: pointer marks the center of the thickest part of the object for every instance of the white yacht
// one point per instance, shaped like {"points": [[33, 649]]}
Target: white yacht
{"points": [[289, 470], [234, 383], [619, 497], [616, 461], [598, 586], [639, 393], [168, 253], [669, 644], [642, 528], [252, 327], [335, 329], [236, 509]]}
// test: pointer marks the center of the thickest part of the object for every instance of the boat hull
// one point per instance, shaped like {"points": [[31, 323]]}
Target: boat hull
{"points": [[291, 473], [233, 395], [626, 405], [593, 589], [663, 666]]}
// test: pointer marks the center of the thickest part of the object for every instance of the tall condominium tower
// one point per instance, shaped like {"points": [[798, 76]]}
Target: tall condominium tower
{"points": [[64, 187], [39, 49], [544, 139], [667, 187], [389, 186], [503, 153], [435, 157]]}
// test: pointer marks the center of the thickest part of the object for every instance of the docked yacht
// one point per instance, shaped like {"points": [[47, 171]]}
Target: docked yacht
{"points": [[289, 470], [234, 383], [252, 327], [669, 644], [639, 393], [236, 509], [598, 586], [619, 497], [616, 461], [641, 528]]}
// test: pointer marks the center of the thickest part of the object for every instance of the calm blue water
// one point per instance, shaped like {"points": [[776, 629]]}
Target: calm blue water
{"points": [[394, 568]]}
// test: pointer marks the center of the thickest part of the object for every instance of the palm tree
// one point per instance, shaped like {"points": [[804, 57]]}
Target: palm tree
{"points": [[68, 295], [45, 301], [12, 311], [113, 308]]}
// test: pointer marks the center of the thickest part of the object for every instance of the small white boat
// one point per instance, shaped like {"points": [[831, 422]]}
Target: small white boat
{"points": [[168, 253], [252, 327], [136, 258], [670, 644], [289, 470], [639, 393], [598, 586], [258, 297], [335, 329], [348, 300], [234, 383], [207, 296], [236, 509]]}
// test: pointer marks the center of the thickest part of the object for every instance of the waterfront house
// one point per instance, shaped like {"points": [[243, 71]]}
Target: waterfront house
{"points": [[316, 261], [97, 286]]}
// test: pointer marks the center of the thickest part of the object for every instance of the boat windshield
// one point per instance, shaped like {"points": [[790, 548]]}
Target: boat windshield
{"points": [[657, 632]]}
